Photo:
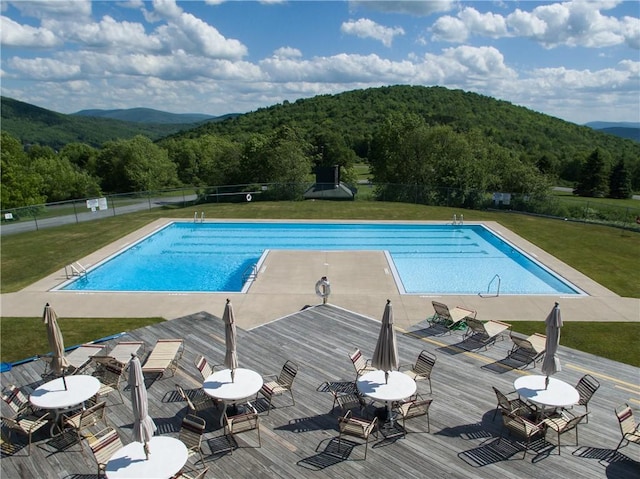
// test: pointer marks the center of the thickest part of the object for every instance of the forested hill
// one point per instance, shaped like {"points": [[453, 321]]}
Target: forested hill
{"points": [[148, 115], [356, 115], [34, 125]]}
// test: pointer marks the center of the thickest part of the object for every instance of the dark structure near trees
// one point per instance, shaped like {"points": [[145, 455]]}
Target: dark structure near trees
{"points": [[328, 185]]}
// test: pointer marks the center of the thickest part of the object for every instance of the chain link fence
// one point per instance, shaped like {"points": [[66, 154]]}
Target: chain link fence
{"points": [[36, 217]]}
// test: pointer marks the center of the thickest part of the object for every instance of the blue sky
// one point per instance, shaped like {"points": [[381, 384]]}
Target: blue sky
{"points": [[576, 60]]}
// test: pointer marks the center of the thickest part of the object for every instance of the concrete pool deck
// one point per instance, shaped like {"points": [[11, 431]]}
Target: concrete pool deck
{"points": [[360, 281]]}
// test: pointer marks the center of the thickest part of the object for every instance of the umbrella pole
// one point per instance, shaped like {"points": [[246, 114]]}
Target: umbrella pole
{"points": [[546, 382], [233, 375], [64, 381], [146, 449]]}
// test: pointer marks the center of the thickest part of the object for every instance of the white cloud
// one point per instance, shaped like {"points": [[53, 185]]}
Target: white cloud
{"points": [[63, 9], [287, 52], [420, 8], [15, 35], [449, 29], [47, 69], [365, 28]]}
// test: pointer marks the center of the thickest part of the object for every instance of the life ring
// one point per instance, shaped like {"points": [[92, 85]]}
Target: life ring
{"points": [[248, 196], [323, 288]]}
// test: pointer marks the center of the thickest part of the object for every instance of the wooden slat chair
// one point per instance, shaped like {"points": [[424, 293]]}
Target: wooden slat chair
{"points": [[485, 333], [25, 424], [110, 374], [357, 427], [164, 356], [414, 407], [351, 401], [104, 445], [82, 421], [452, 319], [628, 428], [564, 423], [239, 423], [360, 364], [512, 405], [528, 350], [278, 385], [18, 401], [198, 403], [522, 427], [422, 369], [191, 431], [587, 387]]}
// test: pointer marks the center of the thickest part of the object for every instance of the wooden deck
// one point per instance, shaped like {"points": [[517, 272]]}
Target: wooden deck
{"points": [[301, 441]]}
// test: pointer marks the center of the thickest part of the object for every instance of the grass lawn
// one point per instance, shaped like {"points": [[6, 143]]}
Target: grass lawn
{"points": [[605, 254], [22, 338]]}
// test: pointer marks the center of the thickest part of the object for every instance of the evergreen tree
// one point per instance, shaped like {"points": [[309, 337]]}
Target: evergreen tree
{"points": [[620, 182], [594, 180]]}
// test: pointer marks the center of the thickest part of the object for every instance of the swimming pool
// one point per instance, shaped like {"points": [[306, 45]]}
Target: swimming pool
{"points": [[425, 259]]}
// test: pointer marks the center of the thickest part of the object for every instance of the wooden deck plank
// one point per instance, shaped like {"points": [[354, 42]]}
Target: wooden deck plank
{"points": [[300, 441]]}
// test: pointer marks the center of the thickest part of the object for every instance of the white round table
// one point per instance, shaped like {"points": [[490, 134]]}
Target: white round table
{"points": [[246, 383], [167, 456], [53, 395], [399, 386], [557, 394]]}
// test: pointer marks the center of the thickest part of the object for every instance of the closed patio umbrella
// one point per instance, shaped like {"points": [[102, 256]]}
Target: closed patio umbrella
{"points": [[551, 363], [56, 342], [143, 425], [231, 356], [385, 356]]}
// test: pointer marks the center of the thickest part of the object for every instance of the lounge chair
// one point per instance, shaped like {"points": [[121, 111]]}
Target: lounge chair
{"points": [[628, 428], [122, 351], [165, 355], [239, 423], [528, 350], [414, 407], [485, 333], [358, 427], [564, 423], [523, 427], [587, 387], [104, 445], [450, 318], [280, 384], [80, 357]]}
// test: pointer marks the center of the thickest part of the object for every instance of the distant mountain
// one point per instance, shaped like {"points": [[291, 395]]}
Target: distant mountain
{"points": [[621, 129], [148, 115], [34, 125]]}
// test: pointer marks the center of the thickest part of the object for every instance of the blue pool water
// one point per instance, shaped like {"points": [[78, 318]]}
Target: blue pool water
{"points": [[428, 259]]}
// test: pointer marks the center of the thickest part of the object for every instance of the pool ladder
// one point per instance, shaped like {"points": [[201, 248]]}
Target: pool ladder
{"points": [[196, 219], [74, 269], [250, 273], [496, 277]]}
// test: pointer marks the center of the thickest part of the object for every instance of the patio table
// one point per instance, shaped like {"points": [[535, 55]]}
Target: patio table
{"points": [[558, 394], [167, 456], [246, 383], [53, 396], [399, 386]]}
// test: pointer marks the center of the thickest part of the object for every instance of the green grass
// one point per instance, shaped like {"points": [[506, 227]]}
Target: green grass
{"points": [[614, 340], [23, 338], [605, 254], [570, 198]]}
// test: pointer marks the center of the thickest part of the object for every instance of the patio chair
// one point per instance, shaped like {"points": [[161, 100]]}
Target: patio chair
{"points": [[122, 351], [191, 431], [103, 445], [240, 423], [18, 401], [485, 333], [109, 375], [198, 402], [164, 356], [522, 427], [414, 407], [421, 370], [280, 384], [452, 319], [587, 387], [564, 423], [628, 428], [358, 427], [80, 357], [203, 366], [349, 401], [189, 472], [512, 405], [85, 419], [360, 364], [25, 424], [528, 350]]}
